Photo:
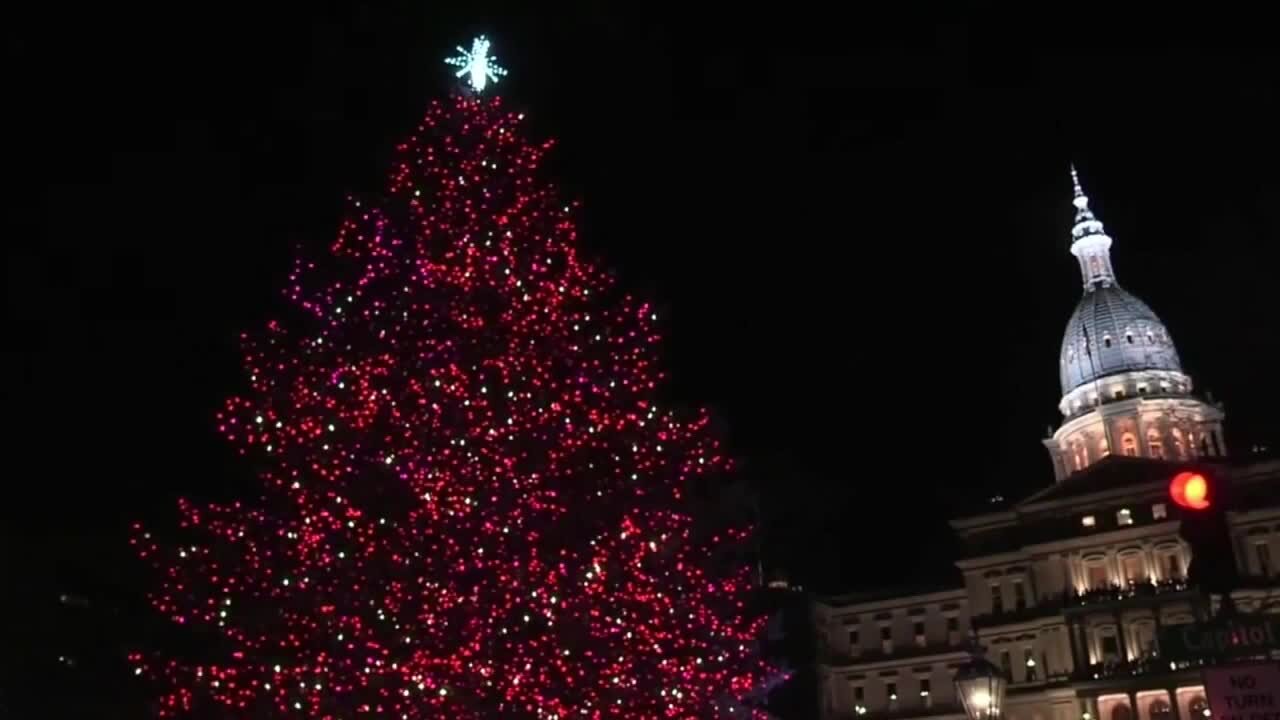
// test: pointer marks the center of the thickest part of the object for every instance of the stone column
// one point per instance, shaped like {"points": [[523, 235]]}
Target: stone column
{"points": [[1155, 642], [1079, 658], [1124, 644], [1173, 702]]}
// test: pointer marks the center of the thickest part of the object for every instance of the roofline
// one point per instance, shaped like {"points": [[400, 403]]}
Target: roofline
{"points": [[850, 601], [987, 520]]}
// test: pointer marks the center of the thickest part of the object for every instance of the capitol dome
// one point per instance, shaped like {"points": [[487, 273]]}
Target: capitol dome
{"points": [[1123, 389], [1110, 332]]}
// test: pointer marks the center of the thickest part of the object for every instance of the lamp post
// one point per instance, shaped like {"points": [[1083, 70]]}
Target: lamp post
{"points": [[980, 686]]}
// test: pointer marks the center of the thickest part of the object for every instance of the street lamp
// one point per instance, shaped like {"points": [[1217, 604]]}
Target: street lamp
{"points": [[981, 687]]}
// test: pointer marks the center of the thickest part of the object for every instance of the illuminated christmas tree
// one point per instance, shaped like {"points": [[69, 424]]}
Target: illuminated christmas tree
{"points": [[473, 506]]}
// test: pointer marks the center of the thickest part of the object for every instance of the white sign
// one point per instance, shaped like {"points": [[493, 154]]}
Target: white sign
{"points": [[1244, 692]]}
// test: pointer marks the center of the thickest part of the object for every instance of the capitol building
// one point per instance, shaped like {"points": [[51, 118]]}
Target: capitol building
{"points": [[1067, 589]]}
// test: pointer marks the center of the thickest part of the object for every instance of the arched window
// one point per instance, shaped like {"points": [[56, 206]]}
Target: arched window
{"points": [[1155, 444], [1129, 444], [1128, 337], [1121, 711], [1106, 341], [1160, 710], [1179, 447]]}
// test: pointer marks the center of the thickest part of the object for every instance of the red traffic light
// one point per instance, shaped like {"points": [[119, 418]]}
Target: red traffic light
{"points": [[1190, 490]]}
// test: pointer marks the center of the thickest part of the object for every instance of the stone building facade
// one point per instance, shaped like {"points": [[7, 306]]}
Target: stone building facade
{"points": [[1069, 588]]}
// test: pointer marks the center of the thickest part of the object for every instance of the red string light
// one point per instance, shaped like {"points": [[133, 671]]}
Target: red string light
{"points": [[473, 506]]}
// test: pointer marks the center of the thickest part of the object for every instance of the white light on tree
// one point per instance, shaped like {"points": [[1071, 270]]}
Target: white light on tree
{"points": [[477, 64]]}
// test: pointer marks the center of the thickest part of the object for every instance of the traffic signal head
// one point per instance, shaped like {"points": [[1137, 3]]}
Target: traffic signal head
{"points": [[1190, 490], [1203, 495]]}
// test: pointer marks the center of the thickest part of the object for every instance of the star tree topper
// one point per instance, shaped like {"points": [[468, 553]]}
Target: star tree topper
{"points": [[478, 63]]}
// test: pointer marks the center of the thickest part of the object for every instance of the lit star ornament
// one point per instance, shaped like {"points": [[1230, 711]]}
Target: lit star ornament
{"points": [[478, 64]]}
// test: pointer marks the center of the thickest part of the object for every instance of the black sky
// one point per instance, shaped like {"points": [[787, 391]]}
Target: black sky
{"points": [[857, 225]]}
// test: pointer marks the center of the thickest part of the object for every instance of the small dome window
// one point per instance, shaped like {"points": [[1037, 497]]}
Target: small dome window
{"points": [[1151, 338], [1128, 337], [1106, 341]]}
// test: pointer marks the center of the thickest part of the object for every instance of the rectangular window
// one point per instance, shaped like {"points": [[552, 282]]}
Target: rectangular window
{"points": [[925, 698], [854, 640], [1124, 517], [886, 639], [953, 624], [1097, 574], [1110, 647], [1029, 662], [1006, 662], [1132, 566], [1088, 521], [859, 694], [1159, 511], [918, 627], [997, 599], [1172, 567], [1019, 596], [1264, 558], [891, 690]]}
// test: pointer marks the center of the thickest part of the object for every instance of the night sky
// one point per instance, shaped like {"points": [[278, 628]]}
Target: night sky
{"points": [[857, 228]]}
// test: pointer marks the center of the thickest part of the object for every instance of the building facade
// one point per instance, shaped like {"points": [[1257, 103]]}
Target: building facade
{"points": [[1069, 588]]}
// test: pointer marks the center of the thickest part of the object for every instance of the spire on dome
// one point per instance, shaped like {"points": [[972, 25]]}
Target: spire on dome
{"points": [[1089, 241], [1081, 201]]}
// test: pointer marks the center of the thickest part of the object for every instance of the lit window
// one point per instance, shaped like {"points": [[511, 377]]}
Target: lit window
{"points": [[891, 689], [1155, 444], [1124, 517], [1088, 521], [1129, 444], [1159, 511]]}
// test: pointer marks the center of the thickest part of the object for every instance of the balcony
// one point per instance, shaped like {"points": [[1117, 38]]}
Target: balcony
{"points": [[1149, 665], [1140, 591]]}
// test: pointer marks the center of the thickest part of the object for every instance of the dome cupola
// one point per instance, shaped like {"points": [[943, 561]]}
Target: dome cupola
{"points": [[1123, 388]]}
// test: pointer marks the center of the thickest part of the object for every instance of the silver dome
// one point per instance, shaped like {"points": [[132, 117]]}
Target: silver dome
{"points": [[1123, 334]]}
